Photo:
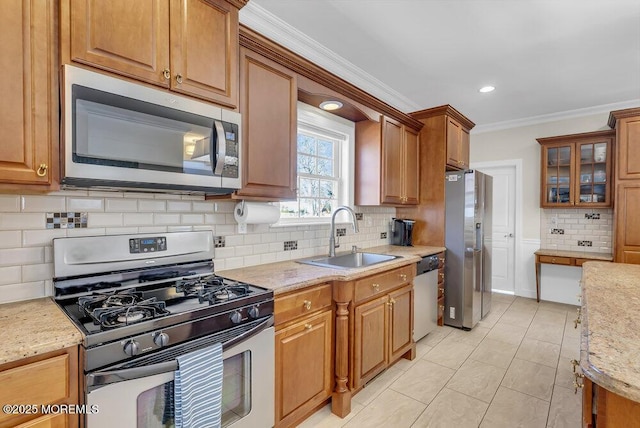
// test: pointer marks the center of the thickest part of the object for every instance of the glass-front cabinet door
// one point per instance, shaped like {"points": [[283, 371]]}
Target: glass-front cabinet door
{"points": [[576, 170]]}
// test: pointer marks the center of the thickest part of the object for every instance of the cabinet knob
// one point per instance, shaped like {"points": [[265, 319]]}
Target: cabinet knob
{"points": [[376, 287], [179, 78], [577, 385], [553, 260], [403, 277], [441, 307], [42, 170], [166, 73], [308, 326], [441, 275], [307, 304]]}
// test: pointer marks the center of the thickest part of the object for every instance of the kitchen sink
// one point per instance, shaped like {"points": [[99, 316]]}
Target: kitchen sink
{"points": [[350, 260]]}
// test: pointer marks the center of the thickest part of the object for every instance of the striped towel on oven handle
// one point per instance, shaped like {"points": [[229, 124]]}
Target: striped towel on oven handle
{"points": [[198, 388]]}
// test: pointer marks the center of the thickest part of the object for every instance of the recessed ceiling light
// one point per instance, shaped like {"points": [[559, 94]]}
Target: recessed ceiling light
{"points": [[486, 89], [330, 105]]}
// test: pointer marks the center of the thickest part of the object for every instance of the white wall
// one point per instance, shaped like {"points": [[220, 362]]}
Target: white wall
{"points": [[520, 143]]}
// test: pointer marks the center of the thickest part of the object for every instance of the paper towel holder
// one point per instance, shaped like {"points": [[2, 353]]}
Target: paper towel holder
{"points": [[241, 209]]}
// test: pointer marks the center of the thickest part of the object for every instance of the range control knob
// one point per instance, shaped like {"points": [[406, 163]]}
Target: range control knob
{"points": [[254, 312], [161, 339], [131, 348], [236, 317]]}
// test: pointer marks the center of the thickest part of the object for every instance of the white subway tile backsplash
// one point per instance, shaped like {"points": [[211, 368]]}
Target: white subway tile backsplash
{"points": [[138, 195], [152, 229], [23, 291], [121, 205], [147, 205], [85, 204], [178, 206], [9, 203], [166, 218], [192, 219], [224, 252], [167, 196], [234, 240], [104, 219], [206, 206], [10, 238], [252, 260], [215, 218], [192, 197], [21, 256], [96, 231], [21, 221], [179, 228], [120, 230], [576, 227], [41, 238], [268, 258], [43, 203], [41, 272], [10, 275], [137, 219], [243, 250], [234, 262]]}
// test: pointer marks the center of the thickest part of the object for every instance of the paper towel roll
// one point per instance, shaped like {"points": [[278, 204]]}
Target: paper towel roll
{"points": [[256, 213]]}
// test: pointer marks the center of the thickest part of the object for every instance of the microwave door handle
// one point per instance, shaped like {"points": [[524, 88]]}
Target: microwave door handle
{"points": [[220, 152], [99, 379]]}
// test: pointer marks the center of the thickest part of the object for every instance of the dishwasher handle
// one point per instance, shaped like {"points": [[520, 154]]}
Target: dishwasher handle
{"points": [[427, 264]]}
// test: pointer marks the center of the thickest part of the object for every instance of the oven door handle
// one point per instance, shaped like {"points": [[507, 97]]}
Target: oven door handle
{"points": [[99, 379]]}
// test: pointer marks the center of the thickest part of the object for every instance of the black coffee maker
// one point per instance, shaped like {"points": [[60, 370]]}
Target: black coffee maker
{"points": [[402, 231]]}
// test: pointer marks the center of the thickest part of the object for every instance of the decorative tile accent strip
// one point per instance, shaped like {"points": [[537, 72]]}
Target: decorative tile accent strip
{"points": [[383, 235], [66, 220], [557, 231], [290, 245], [359, 216], [218, 242], [341, 232], [592, 216], [585, 243]]}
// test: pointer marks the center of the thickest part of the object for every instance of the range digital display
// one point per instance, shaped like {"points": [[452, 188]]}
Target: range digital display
{"points": [[147, 245]]}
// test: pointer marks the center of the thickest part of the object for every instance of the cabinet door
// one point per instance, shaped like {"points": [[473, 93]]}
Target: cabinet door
{"points": [[557, 173], [454, 144], [628, 130], [627, 223], [268, 102], [29, 104], [304, 375], [400, 325], [51, 421], [411, 166], [465, 141], [126, 37], [392, 162], [593, 173], [370, 340], [204, 53]]}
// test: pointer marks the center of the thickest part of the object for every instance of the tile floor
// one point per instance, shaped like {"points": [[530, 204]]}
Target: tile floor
{"points": [[511, 370]]}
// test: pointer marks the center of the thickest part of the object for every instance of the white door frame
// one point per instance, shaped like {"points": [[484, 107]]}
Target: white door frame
{"points": [[519, 286]]}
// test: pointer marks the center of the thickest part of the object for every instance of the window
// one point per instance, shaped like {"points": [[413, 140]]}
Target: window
{"points": [[324, 179]]}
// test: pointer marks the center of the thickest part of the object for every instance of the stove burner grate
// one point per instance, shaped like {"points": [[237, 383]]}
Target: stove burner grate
{"points": [[113, 317]]}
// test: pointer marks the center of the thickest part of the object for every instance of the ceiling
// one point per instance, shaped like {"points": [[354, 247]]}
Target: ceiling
{"points": [[546, 58]]}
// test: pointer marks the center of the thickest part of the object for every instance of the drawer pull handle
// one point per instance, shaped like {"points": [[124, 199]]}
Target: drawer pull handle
{"points": [[403, 277], [179, 78], [441, 275], [166, 73], [308, 326], [575, 363], [576, 322], [376, 287], [307, 304], [577, 385]]}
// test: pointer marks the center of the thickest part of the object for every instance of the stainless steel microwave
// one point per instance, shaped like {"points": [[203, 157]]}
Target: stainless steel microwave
{"points": [[123, 135]]}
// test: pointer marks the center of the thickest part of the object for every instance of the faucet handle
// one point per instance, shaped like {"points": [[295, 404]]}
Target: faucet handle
{"points": [[354, 248]]}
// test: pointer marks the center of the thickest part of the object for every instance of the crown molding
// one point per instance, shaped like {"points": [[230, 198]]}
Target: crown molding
{"points": [[444, 110], [274, 28], [553, 117], [238, 3]]}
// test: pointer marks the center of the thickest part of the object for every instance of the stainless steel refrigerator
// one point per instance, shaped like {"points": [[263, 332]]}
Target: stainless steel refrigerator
{"points": [[467, 297]]}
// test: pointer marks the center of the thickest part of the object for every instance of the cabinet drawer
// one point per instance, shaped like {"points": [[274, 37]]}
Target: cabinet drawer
{"points": [[302, 302], [378, 284], [556, 260], [42, 382]]}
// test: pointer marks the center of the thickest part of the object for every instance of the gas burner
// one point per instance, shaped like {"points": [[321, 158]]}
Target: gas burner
{"points": [[223, 293], [108, 300], [192, 287], [113, 317]]}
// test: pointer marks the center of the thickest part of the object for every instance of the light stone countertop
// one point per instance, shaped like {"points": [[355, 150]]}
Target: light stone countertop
{"points": [[576, 254], [286, 276], [610, 342], [34, 327]]}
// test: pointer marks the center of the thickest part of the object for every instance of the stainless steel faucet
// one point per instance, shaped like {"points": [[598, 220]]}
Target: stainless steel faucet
{"points": [[332, 238]]}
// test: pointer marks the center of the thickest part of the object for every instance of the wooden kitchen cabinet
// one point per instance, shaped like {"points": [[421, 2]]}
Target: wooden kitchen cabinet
{"points": [[576, 170], [383, 323], [387, 163], [443, 145], [441, 290], [627, 222], [29, 105], [604, 409], [189, 46], [627, 126], [304, 353], [268, 103], [48, 379]]}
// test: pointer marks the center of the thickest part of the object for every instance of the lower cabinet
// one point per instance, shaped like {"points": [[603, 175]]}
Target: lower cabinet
{"points": [[49, 379], [383, 332], [602, 408], [304, 354]]}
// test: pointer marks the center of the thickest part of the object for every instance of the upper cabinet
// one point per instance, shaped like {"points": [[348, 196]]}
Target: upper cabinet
{"points": [[627, 125], [457, 144], [189, 46], [29, 105], [387, 163], [268, 103], [576, 170]]}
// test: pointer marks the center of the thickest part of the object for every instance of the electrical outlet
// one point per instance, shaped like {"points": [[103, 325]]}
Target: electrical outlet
{"points": [[452, 312], [368, 222], [554, 220], [242, 228]]}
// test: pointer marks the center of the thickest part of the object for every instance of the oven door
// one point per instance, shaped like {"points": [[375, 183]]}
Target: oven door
{"points": [[140, 396]]}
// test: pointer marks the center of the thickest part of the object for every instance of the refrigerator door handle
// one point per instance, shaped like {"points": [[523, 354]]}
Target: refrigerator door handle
{"points": [[477, 269]]}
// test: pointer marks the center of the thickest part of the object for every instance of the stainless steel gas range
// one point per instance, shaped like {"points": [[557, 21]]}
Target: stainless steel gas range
{"points": [[142, 301]]}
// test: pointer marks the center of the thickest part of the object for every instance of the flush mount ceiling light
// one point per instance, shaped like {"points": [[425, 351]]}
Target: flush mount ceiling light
{"points": [[330, 105], [486, 89]]}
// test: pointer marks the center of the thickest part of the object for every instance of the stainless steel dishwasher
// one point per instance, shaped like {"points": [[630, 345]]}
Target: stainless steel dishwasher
{"points": [[425, 304]]}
